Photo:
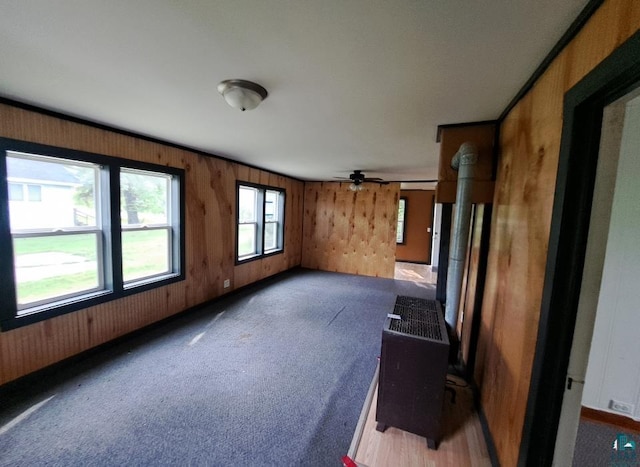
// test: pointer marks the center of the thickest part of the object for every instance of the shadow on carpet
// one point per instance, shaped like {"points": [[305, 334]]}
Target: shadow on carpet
{"points": [[275, 375]]}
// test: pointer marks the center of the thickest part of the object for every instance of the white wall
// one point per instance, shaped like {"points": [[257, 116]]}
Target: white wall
{"points": [[435, 238], [613, 371]]}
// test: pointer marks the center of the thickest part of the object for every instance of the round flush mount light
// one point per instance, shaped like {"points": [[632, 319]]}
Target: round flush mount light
{"points": [[241, 94]]}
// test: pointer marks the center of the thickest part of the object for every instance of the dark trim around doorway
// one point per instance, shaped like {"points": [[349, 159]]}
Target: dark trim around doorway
{"points": [[583, 108]]}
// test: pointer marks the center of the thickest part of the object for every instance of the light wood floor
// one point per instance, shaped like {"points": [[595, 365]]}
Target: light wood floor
{"points": [[462, 444], [415, 272]]}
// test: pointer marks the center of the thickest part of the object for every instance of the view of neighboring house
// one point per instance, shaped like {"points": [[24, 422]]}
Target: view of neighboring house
{"points": [[40, 194]]}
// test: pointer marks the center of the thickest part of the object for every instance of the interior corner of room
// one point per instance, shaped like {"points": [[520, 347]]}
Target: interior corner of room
{"points": [[150, 233]]}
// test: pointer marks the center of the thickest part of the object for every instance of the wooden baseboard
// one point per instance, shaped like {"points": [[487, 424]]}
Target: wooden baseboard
{"points": [[357, 435], [608, 418]]}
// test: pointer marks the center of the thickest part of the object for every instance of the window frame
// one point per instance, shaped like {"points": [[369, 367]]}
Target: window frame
{"points": [[108, 233], [279, 225], [167, 226], [261, 221], [255, 223], [404, 221]]}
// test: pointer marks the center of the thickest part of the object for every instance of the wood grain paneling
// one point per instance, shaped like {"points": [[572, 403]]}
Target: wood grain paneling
{"points": [[351, 232], [530, 142], [210, 242], [418, 219], [469, 287], [483, 136]]}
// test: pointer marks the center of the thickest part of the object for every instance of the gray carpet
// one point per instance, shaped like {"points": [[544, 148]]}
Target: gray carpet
{"points": [[594, 446], [275, 375]]}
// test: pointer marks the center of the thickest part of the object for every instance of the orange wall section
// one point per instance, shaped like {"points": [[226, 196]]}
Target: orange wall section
{"points": [[418, 218], [210, 190]]}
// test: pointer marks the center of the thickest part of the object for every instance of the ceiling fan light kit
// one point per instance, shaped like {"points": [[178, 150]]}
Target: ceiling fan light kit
{"points": [[241, 94], [358, 178]]}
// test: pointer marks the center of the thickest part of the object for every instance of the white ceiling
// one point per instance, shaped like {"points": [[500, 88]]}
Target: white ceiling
{"points": [[353, 84]]}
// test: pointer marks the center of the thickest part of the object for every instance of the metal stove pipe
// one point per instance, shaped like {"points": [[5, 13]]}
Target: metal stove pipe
{"points": [[464, 162]]}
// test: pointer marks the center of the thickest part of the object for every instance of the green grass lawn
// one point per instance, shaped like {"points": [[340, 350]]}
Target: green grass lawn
{"points": [[80, 244], [246, 239], [144, 253]]}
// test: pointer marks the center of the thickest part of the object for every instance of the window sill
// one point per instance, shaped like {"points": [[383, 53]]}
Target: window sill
{"points": [[36, 310], [134, 284], [248, 259]]}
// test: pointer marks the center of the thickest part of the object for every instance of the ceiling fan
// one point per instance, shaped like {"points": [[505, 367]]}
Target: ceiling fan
{"points": [[358, 178]]}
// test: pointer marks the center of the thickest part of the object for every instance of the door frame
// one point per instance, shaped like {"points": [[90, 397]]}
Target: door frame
{"points": [[583, 109]]}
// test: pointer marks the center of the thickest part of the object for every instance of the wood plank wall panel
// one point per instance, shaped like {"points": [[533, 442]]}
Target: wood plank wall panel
{"points": [[482, 186], [469, 291], [530, 142], [210, 242], [350, 232]]}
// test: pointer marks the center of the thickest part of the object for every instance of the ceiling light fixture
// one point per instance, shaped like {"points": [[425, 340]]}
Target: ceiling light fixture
{"points": [[356, 186], [241, 94]]}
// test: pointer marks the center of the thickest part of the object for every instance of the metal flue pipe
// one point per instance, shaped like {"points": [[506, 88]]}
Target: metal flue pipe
{"points": [[464, 162]]}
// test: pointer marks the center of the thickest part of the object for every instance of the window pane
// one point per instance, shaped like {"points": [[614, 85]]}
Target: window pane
{"points": [[66, 191], [144, 253], [270, 236], [400, 233], [246, 239], [271, 206], [34, 192], [16, 192], [55, 266], [144, 198], [401, 218], [247, 204]]}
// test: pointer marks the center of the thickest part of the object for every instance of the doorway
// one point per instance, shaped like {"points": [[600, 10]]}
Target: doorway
{"points": [[551, 380], [602, 372], [415, 226]]}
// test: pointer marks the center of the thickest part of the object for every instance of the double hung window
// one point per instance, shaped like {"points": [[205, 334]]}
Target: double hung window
{"points": [[56, 255], [83, 229], [145, 217], [260, 229]]}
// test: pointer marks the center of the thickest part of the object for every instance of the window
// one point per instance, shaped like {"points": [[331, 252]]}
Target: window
{"points": [[17, 192], [271, 220], [402, 216], [145, 216], [34, 192], [260, 221], [83, 229], [247, 221], [54, 258]]}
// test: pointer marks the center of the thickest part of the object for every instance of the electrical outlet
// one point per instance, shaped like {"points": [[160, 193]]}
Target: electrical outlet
{"points": [[621, 407], [227, 283]]}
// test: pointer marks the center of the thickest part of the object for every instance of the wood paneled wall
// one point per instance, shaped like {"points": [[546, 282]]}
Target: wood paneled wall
{"points": [[210, 242], [466, 310], [530, 142], [451, 137], [351, 232]]}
